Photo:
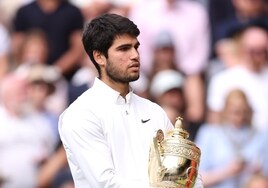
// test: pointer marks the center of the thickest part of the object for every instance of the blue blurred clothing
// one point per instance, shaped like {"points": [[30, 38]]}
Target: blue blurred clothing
{"points": [[221, 144]]}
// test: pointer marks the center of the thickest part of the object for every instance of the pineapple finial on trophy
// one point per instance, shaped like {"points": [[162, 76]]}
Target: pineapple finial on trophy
{"points": [[178, 131]]}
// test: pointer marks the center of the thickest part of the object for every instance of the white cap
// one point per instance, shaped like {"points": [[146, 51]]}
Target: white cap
{"points": [[164, 81], [163, 39]]}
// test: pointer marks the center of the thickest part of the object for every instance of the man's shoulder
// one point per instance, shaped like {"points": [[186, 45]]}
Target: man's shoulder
{"points": [[145, 103], [143, 100]]}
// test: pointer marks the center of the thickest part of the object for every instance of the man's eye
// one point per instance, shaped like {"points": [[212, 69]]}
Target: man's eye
{"points": [[124, 48]]}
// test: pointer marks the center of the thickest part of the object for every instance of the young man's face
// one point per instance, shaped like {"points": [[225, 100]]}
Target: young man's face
{"points": [[123, 62]]}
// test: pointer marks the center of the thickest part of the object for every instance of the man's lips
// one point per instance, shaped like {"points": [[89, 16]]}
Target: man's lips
{"points": [[134, 65]]}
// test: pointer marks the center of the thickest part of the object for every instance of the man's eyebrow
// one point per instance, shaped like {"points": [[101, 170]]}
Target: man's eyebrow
{"points": [[128, 45], [123, 46]]}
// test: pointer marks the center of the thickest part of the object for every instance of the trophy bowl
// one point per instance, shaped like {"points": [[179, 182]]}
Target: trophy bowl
{"points": [[174, 160]]}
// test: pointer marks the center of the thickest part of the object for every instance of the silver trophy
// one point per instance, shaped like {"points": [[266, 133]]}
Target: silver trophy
{"points": [[174, 160]]}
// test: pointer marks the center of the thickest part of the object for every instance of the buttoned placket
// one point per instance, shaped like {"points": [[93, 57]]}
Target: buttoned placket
{"points": [[133, 128]]}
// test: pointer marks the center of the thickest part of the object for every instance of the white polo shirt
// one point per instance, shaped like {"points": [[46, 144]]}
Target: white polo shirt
{"points": [[107, 138]]}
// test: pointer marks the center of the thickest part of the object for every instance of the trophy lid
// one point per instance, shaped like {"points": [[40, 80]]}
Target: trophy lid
{"points": [[177, 143], [178, 131]]}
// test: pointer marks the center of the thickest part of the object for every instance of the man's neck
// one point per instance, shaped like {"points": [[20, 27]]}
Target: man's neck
{"points": [[122, 88], [49, 5]]}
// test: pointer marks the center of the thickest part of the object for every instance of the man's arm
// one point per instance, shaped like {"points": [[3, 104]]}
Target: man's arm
{"points": [[70, 58]]}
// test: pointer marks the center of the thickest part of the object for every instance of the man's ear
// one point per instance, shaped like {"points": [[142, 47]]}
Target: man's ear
{"points": [[99, 57]]}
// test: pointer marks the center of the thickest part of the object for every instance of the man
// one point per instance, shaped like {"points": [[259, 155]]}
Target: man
{"points": [[108, 130], [62, 24], [26, 137]]}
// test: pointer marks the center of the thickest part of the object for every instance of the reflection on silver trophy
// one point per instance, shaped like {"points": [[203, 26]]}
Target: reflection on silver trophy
{"points": [[174, 160]]}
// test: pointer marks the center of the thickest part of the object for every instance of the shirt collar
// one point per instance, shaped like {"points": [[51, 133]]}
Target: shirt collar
{"points": [[111, 94]]}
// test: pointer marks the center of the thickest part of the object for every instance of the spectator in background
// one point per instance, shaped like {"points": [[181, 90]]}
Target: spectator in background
{"points": [[219, 11], [42, 84], [164, 53], [48, 93], [166, 89], [232, 150], [33, 53], [164, 58], [188, 24], [243, 11], [62, 22], [249, 75], [26, 138], [227, 54], [34, 48]]}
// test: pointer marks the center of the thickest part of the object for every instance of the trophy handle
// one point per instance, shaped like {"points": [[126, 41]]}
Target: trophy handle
{"points": [[157, 145], [155, 162]]}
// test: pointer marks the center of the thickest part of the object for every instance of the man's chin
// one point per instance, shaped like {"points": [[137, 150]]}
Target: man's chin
{"points": [[134, 78]]}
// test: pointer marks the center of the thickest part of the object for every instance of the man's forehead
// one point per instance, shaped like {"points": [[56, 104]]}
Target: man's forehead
{"points": [[125, 39]]}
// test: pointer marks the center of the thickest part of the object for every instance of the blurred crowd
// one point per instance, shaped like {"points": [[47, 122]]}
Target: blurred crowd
{"points": [[203, 60]]}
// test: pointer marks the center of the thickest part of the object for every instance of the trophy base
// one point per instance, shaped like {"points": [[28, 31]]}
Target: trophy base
{"points": [[168, 184]]}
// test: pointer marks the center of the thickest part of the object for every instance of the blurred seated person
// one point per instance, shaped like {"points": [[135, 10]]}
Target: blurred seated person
{"points": [[62, 22], [26, 138], [166, 89], [250, 74], [244, 11], [232, 150], [42, 84], [34, 53], [227, 56]]}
